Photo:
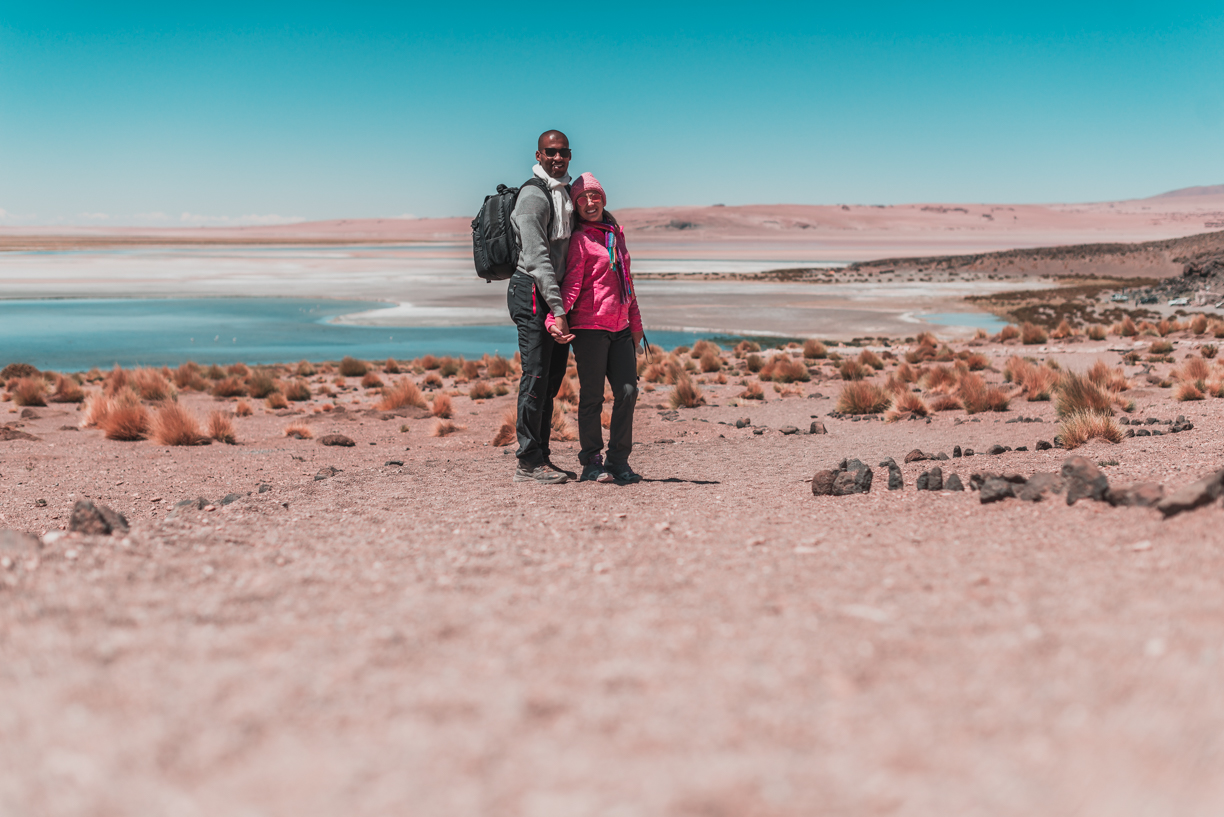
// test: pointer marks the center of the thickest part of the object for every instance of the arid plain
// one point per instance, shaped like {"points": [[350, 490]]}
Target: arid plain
{"points": [[392, 626]]}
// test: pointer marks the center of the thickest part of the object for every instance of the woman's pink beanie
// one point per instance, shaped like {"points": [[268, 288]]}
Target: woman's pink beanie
{"points": [[585, 184]]}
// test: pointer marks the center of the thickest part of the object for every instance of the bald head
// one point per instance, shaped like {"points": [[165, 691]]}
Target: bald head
{"points": [[553, 153]]}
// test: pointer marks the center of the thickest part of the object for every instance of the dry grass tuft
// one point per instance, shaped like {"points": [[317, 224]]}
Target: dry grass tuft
{"points": [[67, 390], [870, 358], [296, 390], [745, 346], [506, 433], [390, 366], [1167, 327], [1096, 332], [906, 373], [1189, 390], [754, 362], [442, 428], [352, 367], [1039, 383], [945, 402], [433, 380], [1009, 332], [441, 406], [788, 370], [126, 420], [977, 396], [299, 431], [906, 405], [753, 391], [568, 393], [1063, 330], [851, 369], [229, 387], [813, 349], [1031, 334], [976, 361], [243, 409], [175, 425], [480, 390], [449, 366], [1127, 328], [938, 379], [1077, 394], [605, 419], [703, 347], [862, 397], [686, 394], [498, 367], [1198, 324], [305, 369], [562, 428], [97, 406], [371, 380], [429, 362], [221, 428], [1080, 427], [710, 362], [276, 401], [1208, 350], [151, 385], [403, 393], [1161, 347], [1193, 369], [261, 383], [29, 391]]}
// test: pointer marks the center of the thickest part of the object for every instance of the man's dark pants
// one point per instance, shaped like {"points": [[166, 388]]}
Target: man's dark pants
{"points": [[543, 361], [601, 355]]}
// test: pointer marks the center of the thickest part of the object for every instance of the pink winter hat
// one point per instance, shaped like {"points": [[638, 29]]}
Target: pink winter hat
{"points": [[585, 184]]}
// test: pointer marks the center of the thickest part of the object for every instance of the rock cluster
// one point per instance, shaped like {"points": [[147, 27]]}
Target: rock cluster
{"points": [[850, 477], [96, 520]]}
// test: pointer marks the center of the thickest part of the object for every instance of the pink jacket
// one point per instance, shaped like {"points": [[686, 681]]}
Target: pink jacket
{"points": [[591, 290]]}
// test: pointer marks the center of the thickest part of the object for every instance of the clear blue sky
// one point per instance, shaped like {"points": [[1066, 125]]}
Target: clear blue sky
{"points": [[115, 112]]}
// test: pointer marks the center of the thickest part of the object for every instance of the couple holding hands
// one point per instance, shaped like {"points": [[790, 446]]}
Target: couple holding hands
{"points": [[572, 286]]}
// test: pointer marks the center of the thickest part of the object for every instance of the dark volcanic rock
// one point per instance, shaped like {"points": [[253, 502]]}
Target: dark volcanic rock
{"points": [[996, 450], [96, 520], [1195, 495], [1139, 495], [818, 428], [1039, 486], [1042, 445], [337, 439], [789, 430], [822, 483], [953, 483], [1083, 480], [264, 488], [995, 489], [915, 456], [9, 433], [327, 471], [743, 422], [230, 499], [853, 482], [896, 481], [930, 480], [956, 451], [199, 503]]}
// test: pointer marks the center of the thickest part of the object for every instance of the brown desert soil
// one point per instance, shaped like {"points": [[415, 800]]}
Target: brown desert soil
{"points": [[433, 639]]}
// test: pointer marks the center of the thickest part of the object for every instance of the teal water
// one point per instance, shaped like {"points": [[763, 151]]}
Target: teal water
{"points": [[78, 334], [974, 320]]}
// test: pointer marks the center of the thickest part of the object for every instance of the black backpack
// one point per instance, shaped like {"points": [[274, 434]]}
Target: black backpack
{"points": [[494, 248]]}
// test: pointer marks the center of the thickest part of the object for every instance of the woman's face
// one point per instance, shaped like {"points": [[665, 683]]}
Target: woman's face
{"points": [[590, 206]]}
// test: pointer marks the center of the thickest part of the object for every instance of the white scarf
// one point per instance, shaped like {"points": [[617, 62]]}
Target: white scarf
{"points": [[563, 208]]}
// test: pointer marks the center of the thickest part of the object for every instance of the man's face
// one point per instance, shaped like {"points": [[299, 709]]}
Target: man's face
{"points": [[553, 154]]}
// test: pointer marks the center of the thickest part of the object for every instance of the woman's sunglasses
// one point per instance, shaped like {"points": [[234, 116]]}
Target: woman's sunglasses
{"points": [[552, 153]]}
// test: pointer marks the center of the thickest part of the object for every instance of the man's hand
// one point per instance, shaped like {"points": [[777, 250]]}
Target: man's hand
{"points": [[560, 330]]}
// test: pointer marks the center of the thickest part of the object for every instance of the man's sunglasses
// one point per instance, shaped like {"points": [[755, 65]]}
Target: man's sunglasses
{"points": [[552, 153]]}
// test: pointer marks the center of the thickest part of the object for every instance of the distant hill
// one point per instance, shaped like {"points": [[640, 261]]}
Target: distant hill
{"points": [[1209, 190]]}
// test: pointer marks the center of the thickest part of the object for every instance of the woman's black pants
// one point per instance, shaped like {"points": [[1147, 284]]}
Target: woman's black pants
{"points": [[601, 355]]}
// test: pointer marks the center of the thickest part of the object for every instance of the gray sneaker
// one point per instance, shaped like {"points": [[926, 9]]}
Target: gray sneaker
{"points": [[541, 473]]}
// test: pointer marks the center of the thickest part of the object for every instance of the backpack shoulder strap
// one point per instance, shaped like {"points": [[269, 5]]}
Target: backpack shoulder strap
{"points": [[537, 182]]}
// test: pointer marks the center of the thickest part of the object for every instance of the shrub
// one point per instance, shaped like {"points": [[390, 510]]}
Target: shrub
{"points": [[1009, 332], [441, 405], [276, 401], [1096, 332], [789, 370], [506, 433], [151, 385], [1217, 329], [432, 381], [1161, 347], [1032, 334], [29, 391], [429, 362], [480, 390], [686, 394], [371, 381], [1198, 324], [470, 369], [229, 387], [814, 349], [260, 384], [568, 393], [710, 362], [126, 421], [938, 379], [221, 428], [1127, 328], [1166, 327], [243, 409], [870, 358], [1038, 383], [498, 367], [305, 369], [16, 370], [1189, 390], [67, 390], [945, 402], [296, 390], [97, 406], [1192, 369], [703, 347], [906, 404], [851, 369], [299, 431], [752, 392], [1063, 330], [906, 374], [1080, 427], [562, 428], [174, 425], [238, 369], [352, 367], [442, 428], [390, 366], [680, 350], [977, 396], [1076, 394], [976, 361], [449, 367], [214, 372], [862, 397], [755, 363]]}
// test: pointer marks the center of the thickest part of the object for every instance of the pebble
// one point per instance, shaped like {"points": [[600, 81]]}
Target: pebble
{"points": [[337, 439]]}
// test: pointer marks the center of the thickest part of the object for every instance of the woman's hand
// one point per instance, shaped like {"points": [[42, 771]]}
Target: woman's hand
{"points": [[637, 339], [560, 330]]}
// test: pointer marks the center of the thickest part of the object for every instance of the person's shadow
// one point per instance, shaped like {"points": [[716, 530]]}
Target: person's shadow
{"points": [[689, 481]]}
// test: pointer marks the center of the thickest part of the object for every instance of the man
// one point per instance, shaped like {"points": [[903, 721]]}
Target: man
{"points": [[541, 221]]}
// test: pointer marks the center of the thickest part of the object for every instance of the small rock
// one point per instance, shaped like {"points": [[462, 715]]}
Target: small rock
{"points": [[953, 483], [96, 520], [995, 489], [852, 482], [818, 428], [394, 463], [956, 451], [789, 430], [9, 433], [1139, 495], [896, 481], [1042, 445], [1141, 432], [915, 456], [996, 450], [337, 439], [29, 414], [930, 480], [822, 483], [15, 541], [1083, 479], [1021, 448], [1039, 486], [669, 415], [758, 431], [264, 488], [851, 465], [887, 462], [40, 503], [968, 452], [1195, 495], [941, 456], [743, 422], [328, 471], [230, 499]]}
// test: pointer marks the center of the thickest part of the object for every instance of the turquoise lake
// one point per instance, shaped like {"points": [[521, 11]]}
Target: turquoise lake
{"points": [[75, 335]]}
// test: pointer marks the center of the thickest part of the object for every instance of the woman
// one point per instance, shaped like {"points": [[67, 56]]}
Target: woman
{"points": [[606, 327]]}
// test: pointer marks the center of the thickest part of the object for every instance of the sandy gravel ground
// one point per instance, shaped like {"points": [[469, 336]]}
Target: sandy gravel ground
{"points": [[431, 639]]}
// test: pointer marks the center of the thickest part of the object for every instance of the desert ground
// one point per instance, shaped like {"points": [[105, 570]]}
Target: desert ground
{"points": [[394, 627]]}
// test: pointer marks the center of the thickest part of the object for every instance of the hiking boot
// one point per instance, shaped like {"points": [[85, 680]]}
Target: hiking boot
{"points": [[540, 473], [570, 474], [623, 474]]}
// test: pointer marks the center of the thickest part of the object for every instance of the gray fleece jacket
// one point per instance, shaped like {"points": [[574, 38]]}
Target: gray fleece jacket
{"points": [[540, 258]]}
